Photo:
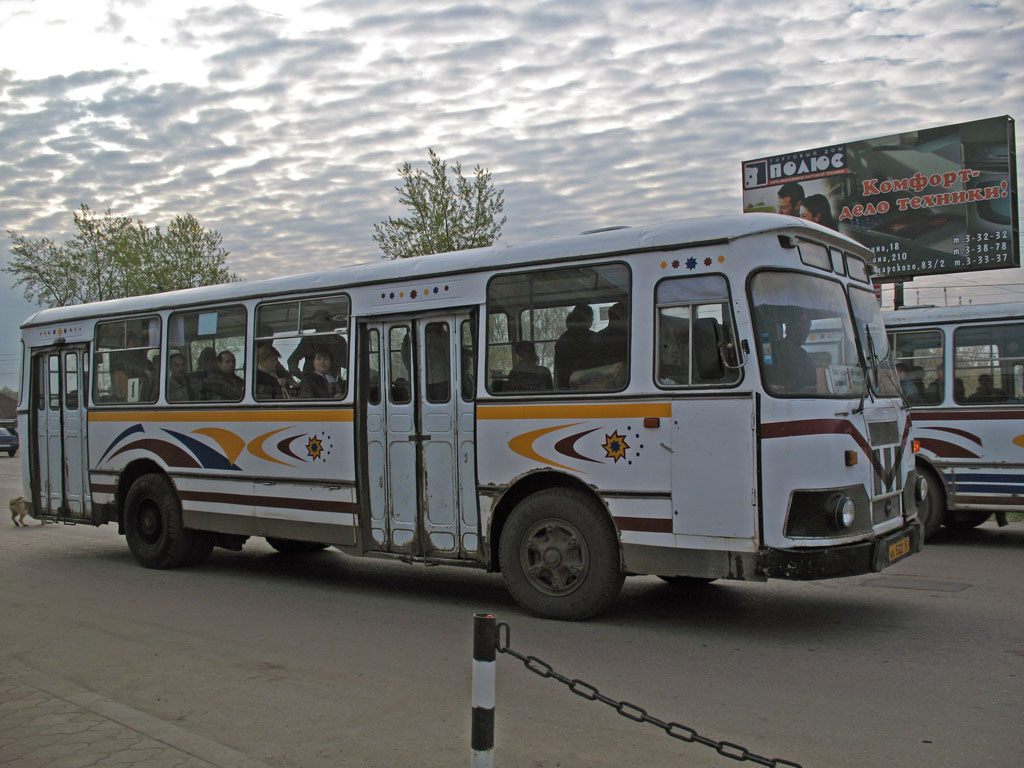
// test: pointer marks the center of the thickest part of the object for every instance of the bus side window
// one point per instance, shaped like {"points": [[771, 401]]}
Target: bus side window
{"points": [[569, 324], [127, 359], [984, 358], [918, 356], [694, 329]]}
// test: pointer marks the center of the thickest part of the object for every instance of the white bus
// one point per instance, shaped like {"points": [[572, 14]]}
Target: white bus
{"points": [[633, 401], [962, 372]]}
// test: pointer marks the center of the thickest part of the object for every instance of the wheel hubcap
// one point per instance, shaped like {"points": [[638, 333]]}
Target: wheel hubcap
{"points": [[554, 557], [150, 523]]}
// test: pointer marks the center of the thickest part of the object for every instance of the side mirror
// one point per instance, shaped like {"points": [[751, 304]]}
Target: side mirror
{"points": [[707, 337]]}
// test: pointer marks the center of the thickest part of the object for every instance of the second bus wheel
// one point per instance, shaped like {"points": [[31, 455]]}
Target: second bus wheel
{"points": [[293, 547], [559, 555], [153, 525], [933, 509]]}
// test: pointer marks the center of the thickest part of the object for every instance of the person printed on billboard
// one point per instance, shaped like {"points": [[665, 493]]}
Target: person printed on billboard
{"points": [[791, 195], [816, 208]]}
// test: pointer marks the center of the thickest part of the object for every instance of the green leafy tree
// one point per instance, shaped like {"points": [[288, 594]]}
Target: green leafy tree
{"points": [[447, 214], [115, 256]]}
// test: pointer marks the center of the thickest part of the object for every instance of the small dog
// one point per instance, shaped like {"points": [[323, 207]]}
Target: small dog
{"points": [[18, 511]]}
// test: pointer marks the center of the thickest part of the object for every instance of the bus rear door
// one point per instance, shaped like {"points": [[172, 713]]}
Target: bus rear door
{"points": [[59, 446]]}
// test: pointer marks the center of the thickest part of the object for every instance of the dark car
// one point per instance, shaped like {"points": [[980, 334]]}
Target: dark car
{"points": [[8, 441]]}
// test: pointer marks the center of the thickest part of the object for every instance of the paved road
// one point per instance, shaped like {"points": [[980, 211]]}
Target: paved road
{"points": [[256, 659]]}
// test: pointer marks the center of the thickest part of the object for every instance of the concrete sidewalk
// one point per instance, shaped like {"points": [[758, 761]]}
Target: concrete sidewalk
{"points": [[51, 723]]}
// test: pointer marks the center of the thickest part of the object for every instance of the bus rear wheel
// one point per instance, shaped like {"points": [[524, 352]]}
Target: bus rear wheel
{"points": [[154, 529], [559, 555], [293, 547]]}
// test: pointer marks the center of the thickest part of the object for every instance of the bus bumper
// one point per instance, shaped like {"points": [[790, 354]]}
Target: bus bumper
{"points": [[845, 560]]}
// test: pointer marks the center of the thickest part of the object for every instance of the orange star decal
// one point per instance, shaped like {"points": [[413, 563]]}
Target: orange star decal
{"points": [[615, 446], [314, 448]]}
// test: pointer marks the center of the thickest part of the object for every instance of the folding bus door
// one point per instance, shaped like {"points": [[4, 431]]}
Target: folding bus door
{"points": [[419, 466]]}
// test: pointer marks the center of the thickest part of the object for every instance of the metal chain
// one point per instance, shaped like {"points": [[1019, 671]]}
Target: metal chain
{"points": [[632, 711]]}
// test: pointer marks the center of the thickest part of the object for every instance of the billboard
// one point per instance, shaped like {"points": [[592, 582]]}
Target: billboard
{"points": [[926, 202]]}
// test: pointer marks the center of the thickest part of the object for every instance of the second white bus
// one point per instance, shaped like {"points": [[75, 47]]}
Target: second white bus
{"points": [[962, 372]]}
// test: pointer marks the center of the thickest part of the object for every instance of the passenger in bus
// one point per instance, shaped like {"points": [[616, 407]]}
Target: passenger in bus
{"points": [[224, 383], [986, 392], [133, 380], [612, 340], [526, 374], [321, 383], [913, 392], [574, 350], [794, 367], [179, 387], [205, 366], [959, 391], [270, 385], [330, 342]]}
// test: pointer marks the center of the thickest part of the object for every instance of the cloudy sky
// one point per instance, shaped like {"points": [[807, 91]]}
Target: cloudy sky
{"points": [[281, 123]]}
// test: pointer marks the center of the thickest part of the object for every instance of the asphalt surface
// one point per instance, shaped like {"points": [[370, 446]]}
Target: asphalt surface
{"points": [[256, 659]]}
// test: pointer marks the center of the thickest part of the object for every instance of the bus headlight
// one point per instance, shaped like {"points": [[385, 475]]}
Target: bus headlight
{"points": [[921, 489], [843, 511]]}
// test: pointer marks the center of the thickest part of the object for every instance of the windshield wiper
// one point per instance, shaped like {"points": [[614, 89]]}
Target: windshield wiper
{"points": [[868, 389]]}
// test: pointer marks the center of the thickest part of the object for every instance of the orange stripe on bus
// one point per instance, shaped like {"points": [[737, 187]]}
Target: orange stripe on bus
{"points": [[269, 415], [619, 410]]}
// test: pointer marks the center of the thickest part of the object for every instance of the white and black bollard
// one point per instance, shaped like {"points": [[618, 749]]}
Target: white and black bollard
{"points": [[485, 643]]}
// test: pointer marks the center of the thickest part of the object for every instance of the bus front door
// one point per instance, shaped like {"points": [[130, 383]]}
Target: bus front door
{"points": [[421, 478], [59, 444]]}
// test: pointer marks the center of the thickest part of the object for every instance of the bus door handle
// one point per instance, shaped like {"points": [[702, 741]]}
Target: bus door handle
{"points": [[418, 438]]}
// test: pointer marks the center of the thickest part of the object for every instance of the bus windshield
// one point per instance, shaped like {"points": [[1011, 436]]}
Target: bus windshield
{"points": [[867, 316], [805, 336]]}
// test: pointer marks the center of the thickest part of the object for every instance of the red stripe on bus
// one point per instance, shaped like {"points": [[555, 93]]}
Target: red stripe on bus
{"points": [[645, 524]]}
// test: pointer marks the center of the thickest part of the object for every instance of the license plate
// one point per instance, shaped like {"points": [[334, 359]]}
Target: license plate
{"points": [[898, 549]]}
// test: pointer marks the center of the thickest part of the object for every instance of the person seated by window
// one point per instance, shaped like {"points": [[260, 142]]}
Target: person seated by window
{"points": [[526, 374], [613, 339], [911, 387], [574, 350], [796, 372], [224, 383], [326, 340], [270, 384], [206, 365], [321, 383], [179, 386], [986, 392]]}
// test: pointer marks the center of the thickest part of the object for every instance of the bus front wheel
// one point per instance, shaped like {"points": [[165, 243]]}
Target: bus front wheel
{"points": [[154, 529], [559, 555]]}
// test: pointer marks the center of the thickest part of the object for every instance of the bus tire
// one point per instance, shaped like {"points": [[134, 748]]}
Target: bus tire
{"points": [[965, 519], [933, 511], [293, 547], [559, 555], [153, 525]]}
